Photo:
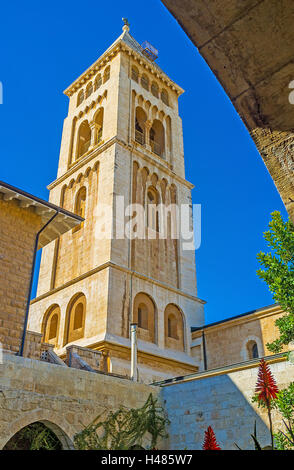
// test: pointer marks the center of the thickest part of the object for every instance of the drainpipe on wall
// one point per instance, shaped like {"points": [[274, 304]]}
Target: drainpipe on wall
{"points": [[31, 285], [204, 350], [134, 369]]}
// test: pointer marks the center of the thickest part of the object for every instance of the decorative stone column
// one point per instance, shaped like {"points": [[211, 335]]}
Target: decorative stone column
{"points": [[148, 125], [94, 133]]}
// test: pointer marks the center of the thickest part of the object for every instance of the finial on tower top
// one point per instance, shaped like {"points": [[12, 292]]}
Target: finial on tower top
{"points": [[126, 26]]}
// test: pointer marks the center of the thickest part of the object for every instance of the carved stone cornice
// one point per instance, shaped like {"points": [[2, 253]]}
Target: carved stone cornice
{"points": [[143, 153], [100, 63]]}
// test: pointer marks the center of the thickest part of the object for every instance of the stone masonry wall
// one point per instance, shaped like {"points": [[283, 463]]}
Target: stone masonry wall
{"points": [[18, 228], [227, 343], [222, 401], [64, 399]]}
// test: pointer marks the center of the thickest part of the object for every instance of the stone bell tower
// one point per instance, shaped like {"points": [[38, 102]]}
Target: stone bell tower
{"points": [[122, 141]]}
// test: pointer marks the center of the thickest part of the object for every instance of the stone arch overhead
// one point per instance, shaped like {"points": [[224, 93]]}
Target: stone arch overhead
{"points": [[53, 420], [244, 351]]}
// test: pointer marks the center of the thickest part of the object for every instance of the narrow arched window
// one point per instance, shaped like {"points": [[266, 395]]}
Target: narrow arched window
{"points": [[255, 351], [84, 139], [152, 209], [89, 90], [135, 74], [164, 97], [99, 125], [143, 316], [98, 82], [157, 138], [145, 82], [252, 349], [76, 318], [106, 75], [154, 89], [140, 121], [80, 98], [172, 327], [51, 325], [80, 206]]}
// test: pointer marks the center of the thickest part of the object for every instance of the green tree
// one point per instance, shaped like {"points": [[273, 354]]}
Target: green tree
{"points": [[278, 273], [125, 429], [285, 405]]}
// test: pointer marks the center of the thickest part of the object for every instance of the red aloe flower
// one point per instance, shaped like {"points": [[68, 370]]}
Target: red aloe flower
{"points": [[210, 440], [266, 387]]}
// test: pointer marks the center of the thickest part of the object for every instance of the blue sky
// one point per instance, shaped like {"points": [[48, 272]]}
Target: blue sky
{"points": [[45, 46]]}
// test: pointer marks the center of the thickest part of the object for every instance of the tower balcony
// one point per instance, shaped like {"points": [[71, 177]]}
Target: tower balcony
{"points": [[85, 147], [139, 137], [156, 148]]}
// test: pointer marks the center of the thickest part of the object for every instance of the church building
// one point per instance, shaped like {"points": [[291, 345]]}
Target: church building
{"points": [[122, 140]]}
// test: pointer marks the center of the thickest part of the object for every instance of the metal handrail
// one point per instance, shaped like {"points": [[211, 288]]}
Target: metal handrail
{"points": [[156, 147], [85, 147], [139, 137]]}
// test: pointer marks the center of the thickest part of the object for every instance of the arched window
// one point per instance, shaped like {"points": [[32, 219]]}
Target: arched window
{"points": [[174, 328], [152, 206], [154, 89], [89, 90], [140, 125], [106, 75], [135, 74], [145, 82], [80, 206], [84, 139], [51, 325], [98, 118], [98, 82], [80, 98], [164, 97], [252, 349], [144, 314], [157, 140], [76, 318]]}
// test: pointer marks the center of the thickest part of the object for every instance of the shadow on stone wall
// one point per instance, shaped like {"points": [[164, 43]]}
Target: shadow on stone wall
{"points": [[223, 402]]}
